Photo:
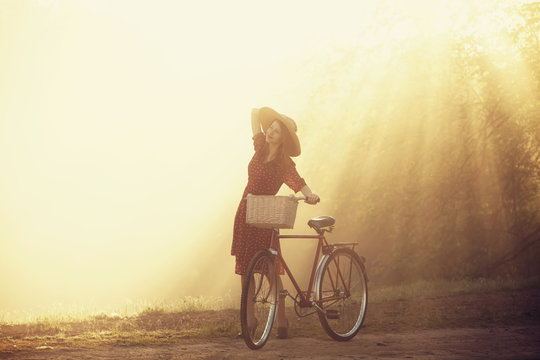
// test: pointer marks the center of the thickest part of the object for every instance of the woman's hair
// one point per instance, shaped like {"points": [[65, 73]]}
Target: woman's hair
{"points": [[284, 149]]}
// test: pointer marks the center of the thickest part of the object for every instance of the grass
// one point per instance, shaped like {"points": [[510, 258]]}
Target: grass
{"points": [[61, 313], [444, 288], [426, 304], [151, 326]]}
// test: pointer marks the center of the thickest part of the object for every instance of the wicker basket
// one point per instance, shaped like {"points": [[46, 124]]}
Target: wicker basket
{"points": [[268, 211]]}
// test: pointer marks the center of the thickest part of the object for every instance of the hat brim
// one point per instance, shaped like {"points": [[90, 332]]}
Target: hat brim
{"points": [[268, 115]]}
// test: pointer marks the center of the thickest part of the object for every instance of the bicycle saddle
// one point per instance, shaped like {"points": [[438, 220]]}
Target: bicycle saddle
{"points": [[321, 221]]}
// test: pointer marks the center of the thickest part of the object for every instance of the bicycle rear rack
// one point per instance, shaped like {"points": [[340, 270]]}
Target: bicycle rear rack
{"points": [[327, 249]]}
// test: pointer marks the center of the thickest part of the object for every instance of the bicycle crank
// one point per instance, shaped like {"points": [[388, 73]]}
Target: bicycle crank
{"points": [[303, 310]]}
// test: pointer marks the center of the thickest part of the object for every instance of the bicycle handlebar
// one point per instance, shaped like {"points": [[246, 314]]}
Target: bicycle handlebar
{"points": [[292, 196], [298, 198]]}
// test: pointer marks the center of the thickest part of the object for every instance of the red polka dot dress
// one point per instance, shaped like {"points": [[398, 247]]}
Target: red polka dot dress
{"points": [[263, 179]]}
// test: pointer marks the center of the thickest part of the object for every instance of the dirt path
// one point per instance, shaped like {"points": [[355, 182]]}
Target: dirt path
{"points": [[496, 325], [468, 343]]}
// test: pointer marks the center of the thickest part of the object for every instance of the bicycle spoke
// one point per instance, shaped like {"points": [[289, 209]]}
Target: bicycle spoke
{"points": [[342, 295], [259, 300]]}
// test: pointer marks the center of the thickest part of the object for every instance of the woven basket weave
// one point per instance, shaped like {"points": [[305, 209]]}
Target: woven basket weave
{"points": [[267, 211]]}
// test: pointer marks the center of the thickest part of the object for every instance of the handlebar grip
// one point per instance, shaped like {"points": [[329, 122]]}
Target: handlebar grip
{"points": [[298, 198]]}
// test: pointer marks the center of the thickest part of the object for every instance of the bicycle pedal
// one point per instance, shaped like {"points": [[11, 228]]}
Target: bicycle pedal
{"points": [[283, 293], [333, 314]]}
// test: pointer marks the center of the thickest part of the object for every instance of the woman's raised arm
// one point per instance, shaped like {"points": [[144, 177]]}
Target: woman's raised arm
{"points": [[255, 123]]}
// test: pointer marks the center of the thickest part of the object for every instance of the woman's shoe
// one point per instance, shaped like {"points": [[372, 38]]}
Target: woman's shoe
{"points": [[283, 332]]}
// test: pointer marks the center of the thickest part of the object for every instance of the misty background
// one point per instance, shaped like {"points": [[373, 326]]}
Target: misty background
{"points": [[125, 137]]}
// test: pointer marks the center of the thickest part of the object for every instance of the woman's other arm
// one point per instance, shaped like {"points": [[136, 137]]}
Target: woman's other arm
{"points": [[311, 198], [255, 123]]}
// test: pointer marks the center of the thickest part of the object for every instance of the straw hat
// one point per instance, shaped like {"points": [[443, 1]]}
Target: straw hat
{"points": [[268, 115]]}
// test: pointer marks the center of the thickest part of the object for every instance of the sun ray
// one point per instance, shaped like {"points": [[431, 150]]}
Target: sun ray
{"points": [[124, 132]]}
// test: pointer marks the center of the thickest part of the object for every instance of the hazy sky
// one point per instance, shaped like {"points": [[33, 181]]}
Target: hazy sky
{"points": [[125, 136], [124, 132]]}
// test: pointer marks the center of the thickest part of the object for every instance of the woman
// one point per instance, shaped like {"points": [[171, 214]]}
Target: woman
{"points": [[270, 167]]}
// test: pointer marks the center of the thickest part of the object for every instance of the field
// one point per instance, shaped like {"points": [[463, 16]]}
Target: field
{"points": [[483, 319]]}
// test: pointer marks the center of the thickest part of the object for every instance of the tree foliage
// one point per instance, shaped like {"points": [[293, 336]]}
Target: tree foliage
{"points": [[441, 176]]}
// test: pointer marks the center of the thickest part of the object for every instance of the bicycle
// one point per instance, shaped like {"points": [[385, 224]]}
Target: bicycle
{"points": [[337, 289]]}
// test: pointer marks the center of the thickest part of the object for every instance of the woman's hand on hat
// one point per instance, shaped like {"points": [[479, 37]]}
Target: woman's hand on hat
{"points": [[255, 123], [312, 199], [255, 113]]}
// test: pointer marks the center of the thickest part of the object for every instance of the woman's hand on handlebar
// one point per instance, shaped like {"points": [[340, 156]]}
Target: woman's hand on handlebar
{"points": [[312, 198]]}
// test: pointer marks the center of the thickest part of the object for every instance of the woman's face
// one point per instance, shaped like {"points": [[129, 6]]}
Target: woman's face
{"points": [[273, 133]]}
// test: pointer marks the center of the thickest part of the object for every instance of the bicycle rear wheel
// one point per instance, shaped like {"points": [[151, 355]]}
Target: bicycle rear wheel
{"points": [[342, 294], [258, 307]]}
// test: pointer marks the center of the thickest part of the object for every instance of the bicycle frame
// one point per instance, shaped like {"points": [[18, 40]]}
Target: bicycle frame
{"points": [[323, 247], [337, 290]]}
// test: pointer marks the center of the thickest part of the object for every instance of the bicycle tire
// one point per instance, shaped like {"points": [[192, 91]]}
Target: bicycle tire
{"points": [[262, 275], [342, 312]]}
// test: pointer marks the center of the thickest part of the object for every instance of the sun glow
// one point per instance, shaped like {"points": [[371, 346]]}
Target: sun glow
{"points": [[124, 126]]}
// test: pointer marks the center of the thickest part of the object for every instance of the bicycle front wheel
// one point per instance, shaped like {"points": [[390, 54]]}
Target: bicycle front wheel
{"points": [[342, 294], [258, 307]]}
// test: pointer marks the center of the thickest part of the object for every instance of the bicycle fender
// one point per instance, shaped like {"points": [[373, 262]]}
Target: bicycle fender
{"points": [[323, 261]]}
